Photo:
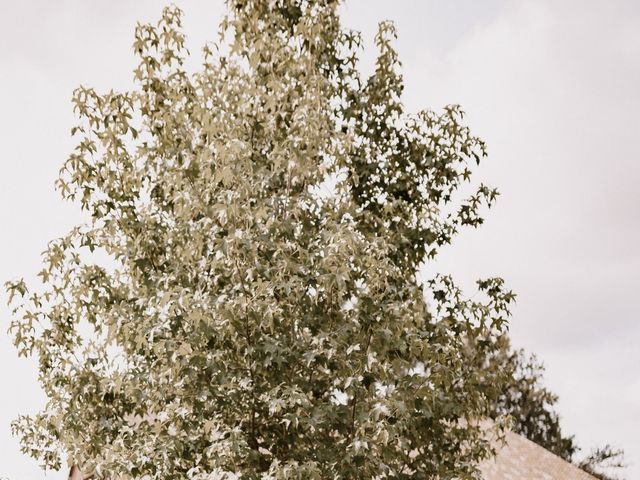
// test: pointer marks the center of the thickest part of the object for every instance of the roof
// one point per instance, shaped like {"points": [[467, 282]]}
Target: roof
{"points": [[520, 458]]}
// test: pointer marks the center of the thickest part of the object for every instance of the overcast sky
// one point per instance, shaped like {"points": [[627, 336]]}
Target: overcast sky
{"points": [[553, 87]]}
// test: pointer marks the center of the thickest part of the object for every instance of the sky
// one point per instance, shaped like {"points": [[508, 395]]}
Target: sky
{"points": [[551, 86]]}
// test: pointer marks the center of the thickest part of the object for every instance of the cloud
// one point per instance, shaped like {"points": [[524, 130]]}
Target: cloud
{"points": [[551, 86]]}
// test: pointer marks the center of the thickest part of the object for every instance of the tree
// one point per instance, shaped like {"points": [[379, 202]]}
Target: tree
{"points": [[531, 410], [259, 314], [529, 404], [602, 460]]}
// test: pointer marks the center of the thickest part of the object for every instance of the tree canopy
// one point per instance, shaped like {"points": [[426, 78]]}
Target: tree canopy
{"points": [[258, 314], [531, 409], [529, 404]]}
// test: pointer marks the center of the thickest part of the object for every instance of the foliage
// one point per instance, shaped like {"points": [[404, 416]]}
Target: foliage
{"points": [[530, 405], [531, 409], [259, 315], [603, 459]]}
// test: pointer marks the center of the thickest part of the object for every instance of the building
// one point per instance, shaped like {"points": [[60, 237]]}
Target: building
{"points": [[521, 459], [518, 459]]}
